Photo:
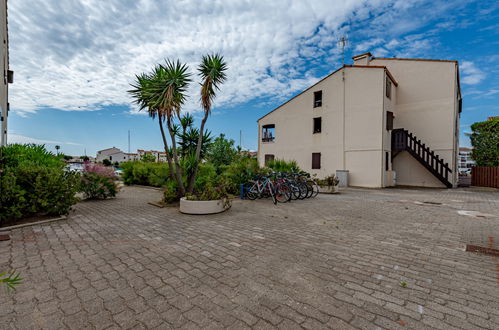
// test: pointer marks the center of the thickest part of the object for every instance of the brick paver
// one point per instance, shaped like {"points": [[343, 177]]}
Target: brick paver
{"points": [[335, 262]]}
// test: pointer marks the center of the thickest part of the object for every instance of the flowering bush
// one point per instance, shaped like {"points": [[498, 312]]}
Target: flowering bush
{"points": [[98, 181]]}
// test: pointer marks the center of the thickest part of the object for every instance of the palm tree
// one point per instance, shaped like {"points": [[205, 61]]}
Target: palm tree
{"points": [[141, 92], [162, 93], [212, 72], [57, 148]]}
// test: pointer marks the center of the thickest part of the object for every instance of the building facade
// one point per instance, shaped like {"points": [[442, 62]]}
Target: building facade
{"points": [[117, 155], [386, 121], [8, 75]]}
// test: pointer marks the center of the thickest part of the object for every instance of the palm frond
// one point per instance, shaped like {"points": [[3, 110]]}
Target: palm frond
{"points": [[212, 71]]}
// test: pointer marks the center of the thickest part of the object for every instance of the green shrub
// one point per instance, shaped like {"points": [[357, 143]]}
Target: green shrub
{"points": [[329, 181], [107, 162], [34, 182], [170, 193], [98, 182], [280, 165], [241, 171], [147, 174], [485, 141]]}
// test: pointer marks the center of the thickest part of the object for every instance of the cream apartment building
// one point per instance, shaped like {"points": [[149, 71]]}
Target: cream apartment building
{"points": [[7, 74], [387, 121]]}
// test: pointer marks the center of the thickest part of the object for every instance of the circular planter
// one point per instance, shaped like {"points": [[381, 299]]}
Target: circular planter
{"points": [[203, 207], [328, 189]]}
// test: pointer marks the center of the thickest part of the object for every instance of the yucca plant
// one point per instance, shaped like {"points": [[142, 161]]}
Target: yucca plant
{"points": [[212, 71], [162, 93]]}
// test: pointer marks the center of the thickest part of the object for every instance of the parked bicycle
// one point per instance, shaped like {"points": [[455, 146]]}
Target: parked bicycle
{"points": [[282, 187]]}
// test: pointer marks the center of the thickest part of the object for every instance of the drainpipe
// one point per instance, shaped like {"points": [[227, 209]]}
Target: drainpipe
{"points": [[344, 95]]}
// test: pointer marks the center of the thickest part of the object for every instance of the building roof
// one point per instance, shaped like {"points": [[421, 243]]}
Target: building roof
{"points": [[465, 149], [329, 75], [107, 149], [412, 59]]}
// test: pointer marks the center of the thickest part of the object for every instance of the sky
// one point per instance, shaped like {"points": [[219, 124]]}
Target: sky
{"points": [[74, 60]]}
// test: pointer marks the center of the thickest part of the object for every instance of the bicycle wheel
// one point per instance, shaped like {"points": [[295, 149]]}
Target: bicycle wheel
{"points": [[315, 189], [310, 190], [303, 190], [252, 192], [282, 193], [295, 191]]}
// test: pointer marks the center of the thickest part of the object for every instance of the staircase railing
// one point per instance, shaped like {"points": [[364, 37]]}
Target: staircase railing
{"points": [[403, 140]]}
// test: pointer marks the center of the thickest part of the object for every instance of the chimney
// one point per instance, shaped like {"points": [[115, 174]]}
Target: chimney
{"points": [[362, 59]]}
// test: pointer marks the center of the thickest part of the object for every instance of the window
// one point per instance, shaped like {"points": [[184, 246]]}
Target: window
{"points": [[387, 160], [316, 160], [268, 158], [388, 88], [389, 120], [317, 125], [110, 157], [317, 99], [268, 133]]}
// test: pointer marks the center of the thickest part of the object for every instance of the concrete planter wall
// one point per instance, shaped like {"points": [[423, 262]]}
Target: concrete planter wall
{"points": [[328, 189], [203, 207]]}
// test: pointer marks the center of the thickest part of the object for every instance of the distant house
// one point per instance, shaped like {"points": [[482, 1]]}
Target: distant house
{"points": [[387, 121], [132, 156], [112, 154], [465, 160]]}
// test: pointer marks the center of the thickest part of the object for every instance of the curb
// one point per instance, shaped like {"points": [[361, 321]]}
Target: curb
{"points": [[64, 217]]}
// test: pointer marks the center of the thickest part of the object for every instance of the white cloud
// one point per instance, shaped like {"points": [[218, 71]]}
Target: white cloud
{"points": [[471, 75], [82, 55], [14, 138]]}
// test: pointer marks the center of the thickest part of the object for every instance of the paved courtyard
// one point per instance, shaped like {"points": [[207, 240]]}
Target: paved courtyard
{"points": [[336, 261]]}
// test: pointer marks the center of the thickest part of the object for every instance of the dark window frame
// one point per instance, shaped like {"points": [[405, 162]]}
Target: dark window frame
{"points": [[388, 88], [317, 125], [268, 133], [389, 120], [316, 160], [318, 99], [268, 158]]}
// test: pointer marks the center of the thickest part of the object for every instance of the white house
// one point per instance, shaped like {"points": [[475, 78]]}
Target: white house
{"points": [[387, 121]]}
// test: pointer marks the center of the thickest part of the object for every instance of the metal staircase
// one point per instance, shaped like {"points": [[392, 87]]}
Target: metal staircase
{"points": [[403, 140]]}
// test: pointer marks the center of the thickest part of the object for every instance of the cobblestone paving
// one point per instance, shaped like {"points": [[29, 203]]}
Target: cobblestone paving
{"points": [[335, 262]]}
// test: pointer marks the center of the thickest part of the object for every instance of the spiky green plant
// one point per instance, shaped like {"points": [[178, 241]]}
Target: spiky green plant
{"points": [[11, 279], [162, 93], [212, 71]]}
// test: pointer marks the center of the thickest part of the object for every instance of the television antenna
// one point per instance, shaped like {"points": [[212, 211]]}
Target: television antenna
{"points": [[343, 42]]}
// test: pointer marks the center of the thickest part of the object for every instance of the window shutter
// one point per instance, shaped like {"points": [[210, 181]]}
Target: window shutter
{"points": [[389, 120], [268, 158], [316, 160]]}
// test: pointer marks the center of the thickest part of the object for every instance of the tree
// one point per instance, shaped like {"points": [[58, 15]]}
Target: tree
{"points": [[163, 92], [485, 141], [57, 147], [189, 140], [212, 72], [222, 151], [148, 158], [84, 158], [67, 157], [106, 162]]}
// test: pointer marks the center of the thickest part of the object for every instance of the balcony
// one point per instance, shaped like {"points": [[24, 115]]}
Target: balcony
{"points": [[268, 134]]}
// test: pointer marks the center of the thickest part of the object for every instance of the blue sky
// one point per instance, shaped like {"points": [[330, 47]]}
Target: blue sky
{"points": [[73, 60]]}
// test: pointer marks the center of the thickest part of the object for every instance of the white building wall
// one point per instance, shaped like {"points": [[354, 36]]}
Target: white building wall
{"points": [[4, 67]]}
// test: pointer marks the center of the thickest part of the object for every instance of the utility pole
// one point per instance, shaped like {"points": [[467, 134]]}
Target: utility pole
{"points": [[128, 141]]}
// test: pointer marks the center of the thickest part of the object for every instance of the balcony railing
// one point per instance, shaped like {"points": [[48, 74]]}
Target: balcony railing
{"points": [[268, 139]]}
